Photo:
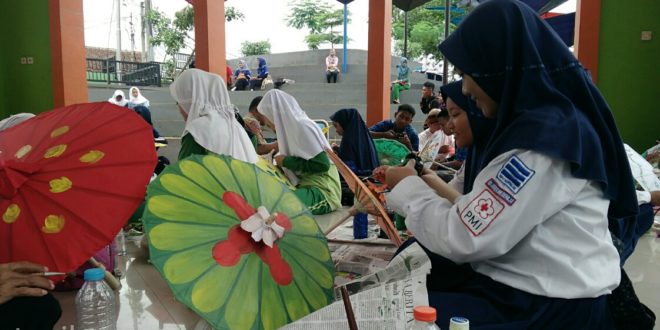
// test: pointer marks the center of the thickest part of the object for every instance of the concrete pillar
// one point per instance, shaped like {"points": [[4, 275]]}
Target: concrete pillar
{"points": [[379, 60], [587, 35], [68, 52], [210, 54]]}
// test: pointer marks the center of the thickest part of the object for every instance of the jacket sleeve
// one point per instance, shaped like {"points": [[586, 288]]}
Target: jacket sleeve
{"points": [[319, 164], [512, 195]]}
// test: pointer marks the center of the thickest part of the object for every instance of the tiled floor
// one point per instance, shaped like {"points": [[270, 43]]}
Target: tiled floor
{"points": [[147, 303]]}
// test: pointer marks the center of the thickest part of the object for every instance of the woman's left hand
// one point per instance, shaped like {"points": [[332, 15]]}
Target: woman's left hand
{"points": [[395, 174]]}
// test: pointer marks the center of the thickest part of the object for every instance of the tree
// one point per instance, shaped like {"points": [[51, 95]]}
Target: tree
{"points": [[425, 30], [255, 48], [174, 35], [319, 19]]}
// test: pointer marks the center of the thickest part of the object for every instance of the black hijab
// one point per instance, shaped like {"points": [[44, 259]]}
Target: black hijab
{"points": [[356, 143], [480, 126], [547, 103]]}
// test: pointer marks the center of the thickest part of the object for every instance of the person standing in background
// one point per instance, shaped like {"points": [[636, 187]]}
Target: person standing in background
{"points": [[332, 67]]}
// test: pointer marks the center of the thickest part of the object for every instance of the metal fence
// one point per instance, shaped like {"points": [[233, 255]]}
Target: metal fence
{"points": [[125, 72]]}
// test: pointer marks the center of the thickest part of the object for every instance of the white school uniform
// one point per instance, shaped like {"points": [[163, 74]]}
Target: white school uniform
{"points": [[527, 223]]}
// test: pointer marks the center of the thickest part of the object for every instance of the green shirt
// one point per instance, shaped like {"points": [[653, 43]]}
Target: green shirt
{"points": [[190, 147], [317, 172]]}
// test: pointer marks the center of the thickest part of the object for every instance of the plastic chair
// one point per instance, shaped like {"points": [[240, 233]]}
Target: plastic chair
{"points": [[324, 126]]}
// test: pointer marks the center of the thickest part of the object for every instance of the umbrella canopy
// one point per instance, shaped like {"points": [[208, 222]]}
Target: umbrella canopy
{"points": [[236, 245], [69, 180], [408, 5], [390, 152], [362, 193]]}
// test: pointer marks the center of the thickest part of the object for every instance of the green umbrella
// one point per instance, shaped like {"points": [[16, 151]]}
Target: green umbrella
{"points": [[390, 152], [236, 245]]}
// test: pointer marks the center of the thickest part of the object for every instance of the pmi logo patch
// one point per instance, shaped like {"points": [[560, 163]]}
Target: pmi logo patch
{"points": [[480, 213]]}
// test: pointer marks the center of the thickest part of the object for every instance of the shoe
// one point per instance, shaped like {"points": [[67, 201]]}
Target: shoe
{"points": [[396, 102], [233, 88]]}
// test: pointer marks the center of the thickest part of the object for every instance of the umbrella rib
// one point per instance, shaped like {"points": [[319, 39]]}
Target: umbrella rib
{"points": [[198, 224], [299, 250], [196, 203], [94, 229], [293, 260], [279, 199], [256, 179], [238, 275], [91, 145], [260, 291], [236, 179], [58, 123], [43, 239], [72, 152]]}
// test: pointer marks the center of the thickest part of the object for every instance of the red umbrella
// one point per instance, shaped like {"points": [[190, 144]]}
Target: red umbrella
{"points": [[69, 180]]}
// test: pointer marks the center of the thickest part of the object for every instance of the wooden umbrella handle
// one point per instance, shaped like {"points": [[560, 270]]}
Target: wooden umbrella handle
{"points": [[112, 281], [352, 324]]}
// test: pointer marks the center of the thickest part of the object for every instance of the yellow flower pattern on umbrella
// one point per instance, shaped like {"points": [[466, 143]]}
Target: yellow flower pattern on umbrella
{"points": [[24, 150], [93, 156], [11, 214], [55, 151], [53, 224], [59, 131], [60, 185], [192, 229]]}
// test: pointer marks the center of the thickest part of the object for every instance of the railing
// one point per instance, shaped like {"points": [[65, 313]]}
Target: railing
{"points": [[125, 72]]}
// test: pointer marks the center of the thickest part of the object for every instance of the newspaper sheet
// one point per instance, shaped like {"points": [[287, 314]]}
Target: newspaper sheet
{"points": [[409, 262], [356, 260], [388, 306], [642, 170], [384, 300]]}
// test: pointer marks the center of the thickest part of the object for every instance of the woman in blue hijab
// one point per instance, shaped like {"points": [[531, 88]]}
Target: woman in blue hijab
{"points": [[402, 82], [533, 228], [357, 149], [242, 76], [262, 73]]}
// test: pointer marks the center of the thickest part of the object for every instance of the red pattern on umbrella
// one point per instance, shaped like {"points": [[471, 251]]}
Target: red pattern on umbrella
{"points": [[228, 253]]}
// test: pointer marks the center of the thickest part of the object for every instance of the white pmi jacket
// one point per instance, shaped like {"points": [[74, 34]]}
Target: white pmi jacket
{"points": [[527, 223]]}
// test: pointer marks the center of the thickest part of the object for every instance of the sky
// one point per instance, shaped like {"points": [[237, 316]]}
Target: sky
{"points": [[264, 20]]}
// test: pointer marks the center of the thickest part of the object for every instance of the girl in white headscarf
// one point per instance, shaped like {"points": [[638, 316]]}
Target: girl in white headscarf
{"points": [[301, 145], [204, 103], [118, 98], [136, 98]]}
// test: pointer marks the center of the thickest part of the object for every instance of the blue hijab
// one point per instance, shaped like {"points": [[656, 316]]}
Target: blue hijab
{"points": [[356, 143], [262, 70], [481, 128], [547, 103], [403, 69]]}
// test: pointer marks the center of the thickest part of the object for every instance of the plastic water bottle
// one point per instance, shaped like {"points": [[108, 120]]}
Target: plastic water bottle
{"points": [[360, 226], [424, 318], [459, 323], [120, 243], [95, 303]]}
